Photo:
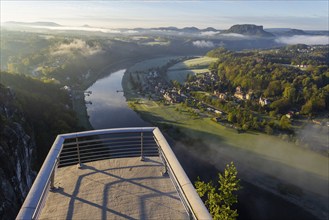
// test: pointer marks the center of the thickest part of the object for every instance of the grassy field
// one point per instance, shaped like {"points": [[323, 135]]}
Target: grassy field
{"points": [[196, 63], [153, 43], [262, 144], [181, 75], [152, 63], [253, 152], [181, 70]]}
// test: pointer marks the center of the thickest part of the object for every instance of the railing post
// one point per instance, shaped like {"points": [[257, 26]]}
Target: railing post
{"points": [[52, 177], [78, 152], [190, 214], [52, 180], [142, 147], [165, 172]]}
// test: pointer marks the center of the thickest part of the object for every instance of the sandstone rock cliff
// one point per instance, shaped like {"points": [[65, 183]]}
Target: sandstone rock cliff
{"points": [[16, 155]]}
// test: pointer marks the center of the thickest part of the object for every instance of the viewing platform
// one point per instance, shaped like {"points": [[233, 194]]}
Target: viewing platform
{"points": [[125, 188], [127, 173]]}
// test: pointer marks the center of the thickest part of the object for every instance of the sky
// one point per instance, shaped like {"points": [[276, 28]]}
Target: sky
{"points": [[303, 14]]}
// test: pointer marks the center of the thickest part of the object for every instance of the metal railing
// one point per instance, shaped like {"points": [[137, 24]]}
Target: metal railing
{"points": [[82, 147]]}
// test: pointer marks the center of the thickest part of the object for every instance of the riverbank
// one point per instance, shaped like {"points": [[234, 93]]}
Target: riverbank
{"points": [[80, 109], [281, 168]]}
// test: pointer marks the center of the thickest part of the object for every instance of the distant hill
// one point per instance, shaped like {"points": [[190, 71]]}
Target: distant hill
{"points": [[209, 29], [157, 29], [38, 23], [291, 32], [318, 32], [190, 29], [287, 31], [248, 29], [297, 32], [166, 29], [275, 30], [185, 29]]}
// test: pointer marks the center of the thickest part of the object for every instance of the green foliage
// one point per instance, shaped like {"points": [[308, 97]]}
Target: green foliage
{"points": [[268, 130], [217, 52], [281, 105], [231, 117], [289, 93], [220, 201], [273, 89], [285, 123], [314, 104], [176, 84]]}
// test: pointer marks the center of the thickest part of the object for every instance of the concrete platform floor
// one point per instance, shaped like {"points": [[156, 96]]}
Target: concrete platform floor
{"points": [[124, 188]]}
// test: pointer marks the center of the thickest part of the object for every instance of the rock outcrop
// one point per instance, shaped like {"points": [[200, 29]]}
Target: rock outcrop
{"points": [[16, 156], [249, 30]]}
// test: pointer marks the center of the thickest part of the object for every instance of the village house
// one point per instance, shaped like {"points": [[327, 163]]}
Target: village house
{"points": [[167, 97], [239, 93], [250, 95], [317, 122], [67, 88], [290, 114], [210, 109], [173, 97], [302, 66], [220, 95], [264, 101], [218, 112]]}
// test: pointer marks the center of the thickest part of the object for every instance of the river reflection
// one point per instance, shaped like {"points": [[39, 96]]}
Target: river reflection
{"points": [[109, 108]]}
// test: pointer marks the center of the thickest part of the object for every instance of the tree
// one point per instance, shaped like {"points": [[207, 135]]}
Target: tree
{"points": [[268, 130], [289, 93], [176, 84], [281, 105], [273, 89], [285, 123], [231, 117], [220, 201]]}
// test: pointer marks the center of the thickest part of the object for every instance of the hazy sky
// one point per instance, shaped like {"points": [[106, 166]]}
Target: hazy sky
{"points": [[307, 15]]}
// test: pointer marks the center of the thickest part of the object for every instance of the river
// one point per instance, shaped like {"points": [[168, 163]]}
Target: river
{"points": [[110, 110]]}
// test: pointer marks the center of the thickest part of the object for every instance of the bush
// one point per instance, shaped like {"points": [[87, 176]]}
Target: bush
{"points": [[268, 130]]}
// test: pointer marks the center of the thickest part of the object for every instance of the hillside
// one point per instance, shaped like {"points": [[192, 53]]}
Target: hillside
{"points": [[32, 113], [286, 31], [17, 152], [46, 107]]}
